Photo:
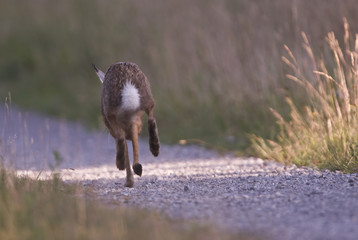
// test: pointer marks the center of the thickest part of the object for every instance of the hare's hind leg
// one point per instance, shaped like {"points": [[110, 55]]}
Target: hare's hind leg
{"points": [[137, 167], [120, 156], [122, 160], [129, 178], [154, 144]]}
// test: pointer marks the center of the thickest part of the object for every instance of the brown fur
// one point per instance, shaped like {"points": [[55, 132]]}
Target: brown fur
{"points": [[127, 124]]}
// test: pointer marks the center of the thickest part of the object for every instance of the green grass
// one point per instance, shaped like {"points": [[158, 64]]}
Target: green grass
{"points": [[325, 133], [215, 66], [50, 209]]}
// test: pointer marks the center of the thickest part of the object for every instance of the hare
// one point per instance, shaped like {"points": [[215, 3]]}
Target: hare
{"points": [[126, 95]]}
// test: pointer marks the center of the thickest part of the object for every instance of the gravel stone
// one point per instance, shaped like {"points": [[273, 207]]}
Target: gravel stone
{"points": [[188, 182]]}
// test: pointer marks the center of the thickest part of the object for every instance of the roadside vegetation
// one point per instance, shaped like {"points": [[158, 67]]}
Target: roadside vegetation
{"points": [[325, 133], [47, 209], [215, 66]]}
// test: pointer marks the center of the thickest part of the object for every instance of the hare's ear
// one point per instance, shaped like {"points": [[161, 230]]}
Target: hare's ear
{"points": [[100, 74]]}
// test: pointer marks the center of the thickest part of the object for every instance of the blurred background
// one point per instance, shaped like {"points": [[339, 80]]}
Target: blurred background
{"points": [[214, 65]]}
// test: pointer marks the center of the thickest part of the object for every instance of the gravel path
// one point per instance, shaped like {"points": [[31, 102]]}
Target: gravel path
{"points": [[189, 182]]}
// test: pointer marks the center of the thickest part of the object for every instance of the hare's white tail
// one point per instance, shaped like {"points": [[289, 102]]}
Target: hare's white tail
{"points": [[130, 97]]}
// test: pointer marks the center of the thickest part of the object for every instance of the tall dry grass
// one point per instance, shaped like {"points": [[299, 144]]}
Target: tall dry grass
{"points": [[325, 133], [214, 65]]}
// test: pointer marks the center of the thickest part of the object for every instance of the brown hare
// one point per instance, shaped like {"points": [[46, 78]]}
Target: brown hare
{"points": [[126, 95]]}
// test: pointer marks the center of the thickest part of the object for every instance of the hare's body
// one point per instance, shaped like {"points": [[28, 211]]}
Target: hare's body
{"points": [[126, 95]]}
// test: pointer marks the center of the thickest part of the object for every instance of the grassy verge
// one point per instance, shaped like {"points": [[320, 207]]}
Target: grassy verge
{"points": [[215, 66], [324, 134], [34, 209]]}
